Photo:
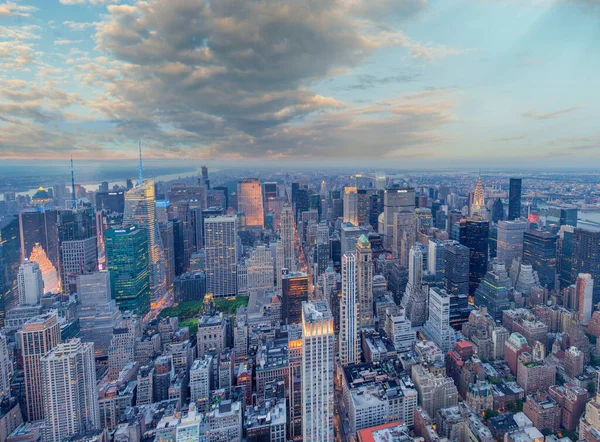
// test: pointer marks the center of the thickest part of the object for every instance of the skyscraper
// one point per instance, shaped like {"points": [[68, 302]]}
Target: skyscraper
{"points": [[250, 201], [70, 392], [539, 250], [318, 349], [10, 261], [586, 256], [364, 271], [351, 205], [437, 327], [394, 200], [415, 298], [584, 289], [140, 211], [127, 257], [514, 199], [221, 255], [38, 336], [31, 283], [405, 234], [49, 273], [492, 292], [39, 227], [287, 233], [478, 208], [260, 269], [474, 234], [497, 210], [456, 257], [294, 289], [510, 241], [349, 313], [5, 369]]}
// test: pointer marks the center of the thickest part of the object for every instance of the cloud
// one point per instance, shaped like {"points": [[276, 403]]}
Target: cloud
{"points": [[514, 138], [64, 41], [79, 26], [549, 115], [11, 9], [370, 81], [93, 2]]}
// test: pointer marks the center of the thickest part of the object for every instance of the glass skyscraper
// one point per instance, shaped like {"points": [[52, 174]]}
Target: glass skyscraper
{"points": [[514, 199], [474, 234], [539, 250]]}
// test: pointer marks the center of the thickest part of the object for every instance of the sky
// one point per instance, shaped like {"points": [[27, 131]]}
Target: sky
{"points": [[382, 82]]}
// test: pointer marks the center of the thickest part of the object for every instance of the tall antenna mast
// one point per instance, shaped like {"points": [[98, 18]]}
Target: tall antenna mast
{"points": [[74, 201], [140, 179]]}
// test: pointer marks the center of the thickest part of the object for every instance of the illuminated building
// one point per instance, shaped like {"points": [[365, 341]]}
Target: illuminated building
{"points": [[318, 354], [127, 256], [351, 205], [39, 227], [49, 273], [294, 287], [250, 201], [221, 255], [478, 208]]}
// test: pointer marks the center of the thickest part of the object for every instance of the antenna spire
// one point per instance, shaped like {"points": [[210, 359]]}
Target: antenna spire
{"points": [[140, 179], [74, 198]]}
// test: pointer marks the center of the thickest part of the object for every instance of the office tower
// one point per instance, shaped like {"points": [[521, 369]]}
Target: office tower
{"points": [[39, 228], [250, 201], [436, 260], [415, 298], [349, 236], [514, 199], [405, 234], [349, 313], [189, 287], [364, 280], [260, 269], [49, 273], [127, 257], [322, 255], [140, 211], [178, 247], [318, 350], [456, 265], [294, 288], [584, 289], [96, 310], [38, 336], [492, 292], [77, 246], [395, 199], [497, 211], [31, 284], [10, 261], [200, 381], [70, 392], [478, 208], [351, 205], [586, 256], [5, 369], [437, 327], [168, 241], [539, 250], [474, 234], [287, 233], [221, 255], [565, 246], [510, 241], [112, 202]]}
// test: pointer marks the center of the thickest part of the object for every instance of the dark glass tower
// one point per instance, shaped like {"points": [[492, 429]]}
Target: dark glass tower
{"points": [[10, 260], [295, 291], [456, 268], [539, 250], [514, 199], [474, 234], [586, 257], [497, 210], [493, 293]]}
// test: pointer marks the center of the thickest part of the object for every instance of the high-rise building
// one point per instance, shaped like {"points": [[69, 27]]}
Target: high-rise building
{"points": [[5, 369], [394, 200], [31, 283], [140, 211], [250, 201], [405, 234], [10, 261], [456, 264], [415, 298], [221, 255], [436, 260], [127, 257], [364, 274], [510, 241], [478, 208], [351, 205], [260, 269], [437, 327], [49, 273], [287, 233], [539, 250], [318, 353], [492, 292], [584, 289], [39, 227], [38, 336], [474, 234], [514, 199], [586, 256], [497, 210], [294, 288], [349, 313], [70, 392], [168, 241]]}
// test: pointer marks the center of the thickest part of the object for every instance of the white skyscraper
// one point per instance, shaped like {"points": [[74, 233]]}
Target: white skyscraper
{"points": [[351, 205], [349, 313], [437, 328], [220, 235], [364, 258], [287, 233], [69, 389], [318, 348], [260, 269], [415, 298], [31, 283], [394, 200], [5, 369], [584, 287], [405, 234]]}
